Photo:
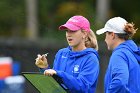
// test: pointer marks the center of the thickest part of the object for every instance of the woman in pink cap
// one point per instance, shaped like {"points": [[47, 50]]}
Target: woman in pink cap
{"points": [[77, 66]]}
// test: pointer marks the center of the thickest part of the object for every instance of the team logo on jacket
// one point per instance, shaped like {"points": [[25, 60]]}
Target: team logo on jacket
{"points": [[64, 57], [76, 69]]}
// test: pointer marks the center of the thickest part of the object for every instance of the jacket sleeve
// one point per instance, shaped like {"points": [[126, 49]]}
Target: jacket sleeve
{"points": [[120, 75], [86, 78], [43, 69]]}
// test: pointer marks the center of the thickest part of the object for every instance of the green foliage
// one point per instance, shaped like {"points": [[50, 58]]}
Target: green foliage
{"points": [[12, 16], [60, 12], [52, 14], [128, 10]]}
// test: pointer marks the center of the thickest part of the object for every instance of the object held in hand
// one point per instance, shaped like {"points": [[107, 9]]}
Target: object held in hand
{"points": [[46, 54], [41, 61]]}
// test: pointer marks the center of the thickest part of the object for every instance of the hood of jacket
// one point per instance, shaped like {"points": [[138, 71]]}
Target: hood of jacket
{"points": [[81, 53], [131, 46]]}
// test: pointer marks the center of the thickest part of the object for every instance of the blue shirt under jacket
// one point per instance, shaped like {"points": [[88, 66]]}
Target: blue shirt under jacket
{"points": [[123, 73]]}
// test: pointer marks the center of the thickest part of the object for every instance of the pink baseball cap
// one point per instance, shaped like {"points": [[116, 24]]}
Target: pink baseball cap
{"points": [[76, 23]]}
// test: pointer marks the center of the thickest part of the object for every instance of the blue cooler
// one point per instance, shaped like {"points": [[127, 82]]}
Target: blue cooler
{"points": [[14, 84]]}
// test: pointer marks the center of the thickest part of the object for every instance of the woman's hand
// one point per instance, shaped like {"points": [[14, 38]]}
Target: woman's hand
{"points": [[41, 61], [49, 72]]}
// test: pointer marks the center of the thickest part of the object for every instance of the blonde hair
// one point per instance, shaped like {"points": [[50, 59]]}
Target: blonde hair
{"points": [[91, 40]]}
